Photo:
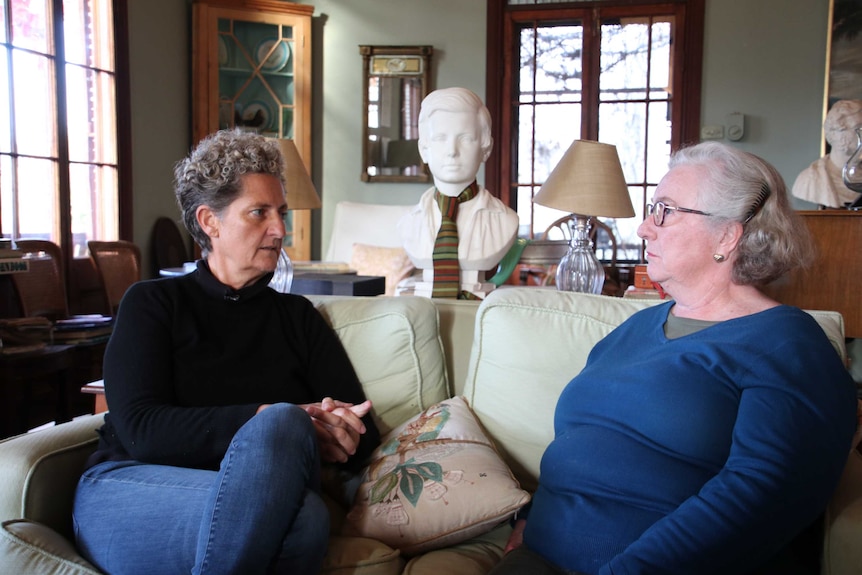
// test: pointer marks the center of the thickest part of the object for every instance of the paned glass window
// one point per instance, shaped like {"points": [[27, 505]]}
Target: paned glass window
{"points": [[58, 127]]}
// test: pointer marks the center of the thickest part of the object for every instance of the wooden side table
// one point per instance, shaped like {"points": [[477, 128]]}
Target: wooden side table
{"points": [[97, 388], [33, 388]]}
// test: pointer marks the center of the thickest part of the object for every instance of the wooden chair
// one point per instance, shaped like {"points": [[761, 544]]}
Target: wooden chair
{"points": [[169, 249], [42, 290], [119, 266]]}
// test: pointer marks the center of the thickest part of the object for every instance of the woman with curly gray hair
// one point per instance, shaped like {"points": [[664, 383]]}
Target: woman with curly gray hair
{"points": [[707, 433], [221, 395]]}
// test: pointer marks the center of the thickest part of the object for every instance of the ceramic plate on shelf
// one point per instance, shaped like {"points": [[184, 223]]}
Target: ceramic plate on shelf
{"points": [[223, 53], [257, 114], [277, 59]]}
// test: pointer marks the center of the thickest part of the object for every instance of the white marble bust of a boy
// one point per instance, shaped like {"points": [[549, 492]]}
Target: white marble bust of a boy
{"points": [[822, 182], [454, 140]]}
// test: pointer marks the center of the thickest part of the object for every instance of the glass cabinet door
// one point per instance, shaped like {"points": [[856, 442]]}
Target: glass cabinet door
{"points": [[256, 77], [251, 71]]}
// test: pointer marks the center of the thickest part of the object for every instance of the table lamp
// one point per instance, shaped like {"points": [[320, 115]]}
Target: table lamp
{"points": [[588, 181], [301, 194]]}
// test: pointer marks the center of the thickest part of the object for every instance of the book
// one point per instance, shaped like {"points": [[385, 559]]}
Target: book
{"points": [[87, 328], [14, 265]]}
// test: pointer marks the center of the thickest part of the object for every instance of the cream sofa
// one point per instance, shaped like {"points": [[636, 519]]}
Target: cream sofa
{"points": [[509, 357]]}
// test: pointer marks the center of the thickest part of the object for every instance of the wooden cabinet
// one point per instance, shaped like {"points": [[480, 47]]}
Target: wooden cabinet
{"points": [[251, 67], [832, 282]]}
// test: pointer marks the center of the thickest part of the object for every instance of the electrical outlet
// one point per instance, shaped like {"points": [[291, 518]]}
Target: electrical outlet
{"points": [[715, 132]]}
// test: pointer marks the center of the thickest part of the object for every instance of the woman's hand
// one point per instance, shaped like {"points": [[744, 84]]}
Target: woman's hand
{"points": [[517, 536], [339, 426]]}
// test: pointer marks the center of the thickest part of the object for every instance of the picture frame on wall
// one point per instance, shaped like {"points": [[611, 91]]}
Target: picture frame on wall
{"points": [[844, 52]]}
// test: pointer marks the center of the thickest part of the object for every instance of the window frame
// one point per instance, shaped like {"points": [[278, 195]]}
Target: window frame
{"points": [[122, 91], [502, 47]]}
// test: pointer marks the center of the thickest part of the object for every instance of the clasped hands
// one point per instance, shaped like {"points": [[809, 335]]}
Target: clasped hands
{"points": [[338, 425]]}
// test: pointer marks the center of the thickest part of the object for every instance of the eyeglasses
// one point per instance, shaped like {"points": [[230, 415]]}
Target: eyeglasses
{"points": [[659, 209]]}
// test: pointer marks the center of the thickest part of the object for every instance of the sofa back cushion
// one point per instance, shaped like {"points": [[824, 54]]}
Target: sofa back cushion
{"points": [[528, 344], [394, 345], [370, 224]]}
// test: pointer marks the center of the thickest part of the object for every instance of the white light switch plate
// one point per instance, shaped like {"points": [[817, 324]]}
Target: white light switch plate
{"points": [[711, 132]]}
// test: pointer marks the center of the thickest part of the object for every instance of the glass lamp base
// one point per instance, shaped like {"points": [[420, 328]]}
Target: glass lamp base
{"points": [[282, 279], [580, 269]]}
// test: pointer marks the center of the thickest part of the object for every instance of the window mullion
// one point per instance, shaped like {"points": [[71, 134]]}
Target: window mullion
{"points": [[64, 196]]}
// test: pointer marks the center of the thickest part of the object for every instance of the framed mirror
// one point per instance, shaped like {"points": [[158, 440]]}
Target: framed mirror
{"points": [[396, 80]]}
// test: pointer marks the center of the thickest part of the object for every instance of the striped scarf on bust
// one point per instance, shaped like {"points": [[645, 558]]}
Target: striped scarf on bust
{"points": [[447, 272]]}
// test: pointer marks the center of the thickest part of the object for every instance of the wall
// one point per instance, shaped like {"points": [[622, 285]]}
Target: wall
{"points": [[764, 58], [159, 69], [767, 59], [456, 30]]}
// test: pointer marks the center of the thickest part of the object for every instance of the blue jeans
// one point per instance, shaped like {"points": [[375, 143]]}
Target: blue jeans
{"points": [[260, 513]]}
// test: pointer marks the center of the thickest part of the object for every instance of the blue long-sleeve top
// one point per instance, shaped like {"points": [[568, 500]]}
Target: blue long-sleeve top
{"points": [[701, 454]]}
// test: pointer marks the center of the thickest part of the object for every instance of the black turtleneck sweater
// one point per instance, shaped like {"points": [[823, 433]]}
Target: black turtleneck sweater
{"points": [[190, 360]]}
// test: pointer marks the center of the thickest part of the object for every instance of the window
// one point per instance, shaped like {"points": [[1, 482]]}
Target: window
{"points": [[603, 70], [59, 143]]}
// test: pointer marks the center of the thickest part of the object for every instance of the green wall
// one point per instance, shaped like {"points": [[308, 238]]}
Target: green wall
{"points": [[763, 58]]}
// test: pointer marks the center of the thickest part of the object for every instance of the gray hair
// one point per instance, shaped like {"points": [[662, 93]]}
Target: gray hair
{"points": [[212, 174], [741, 187], [456, 100]]}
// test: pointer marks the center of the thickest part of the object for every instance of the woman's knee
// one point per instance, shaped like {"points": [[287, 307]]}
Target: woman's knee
{"points": [[281, 430]]}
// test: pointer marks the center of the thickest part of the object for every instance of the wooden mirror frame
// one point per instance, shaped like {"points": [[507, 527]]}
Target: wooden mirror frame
{"points": [[405, 72]]}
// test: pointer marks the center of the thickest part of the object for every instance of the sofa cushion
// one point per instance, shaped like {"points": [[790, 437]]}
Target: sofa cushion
{"points": [[360, 556], [434, 481], [474, 557], [395, 347], [30, 547], [528, 344]]}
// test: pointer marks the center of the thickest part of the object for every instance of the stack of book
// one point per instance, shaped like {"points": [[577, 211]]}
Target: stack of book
{"points": [[87, 328], [22, 335]]}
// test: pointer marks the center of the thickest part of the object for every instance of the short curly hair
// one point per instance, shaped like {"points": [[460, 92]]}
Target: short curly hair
{"points": [[739, 186], [212, 173]]}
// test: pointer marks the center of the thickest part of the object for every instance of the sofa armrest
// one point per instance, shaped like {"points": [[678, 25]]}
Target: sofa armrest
{"points": [[40, 472], [29, 547]]}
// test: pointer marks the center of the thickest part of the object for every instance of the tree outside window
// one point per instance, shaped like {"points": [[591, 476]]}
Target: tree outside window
{"points": [[600, 70]]}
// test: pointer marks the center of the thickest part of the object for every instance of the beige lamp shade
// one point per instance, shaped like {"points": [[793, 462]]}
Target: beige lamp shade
{"points": [[588, 181], [301, 194]]}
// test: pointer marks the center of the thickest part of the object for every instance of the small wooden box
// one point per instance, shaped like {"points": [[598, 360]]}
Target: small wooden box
{"points": [[642, 280]]}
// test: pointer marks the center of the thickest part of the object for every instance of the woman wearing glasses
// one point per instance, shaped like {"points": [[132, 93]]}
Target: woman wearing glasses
{"points": [[705, 434]]}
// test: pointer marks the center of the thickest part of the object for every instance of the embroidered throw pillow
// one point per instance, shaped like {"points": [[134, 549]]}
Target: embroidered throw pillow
{"points": [[434, 481]]}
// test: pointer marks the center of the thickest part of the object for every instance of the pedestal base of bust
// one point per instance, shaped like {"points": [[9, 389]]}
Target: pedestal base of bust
{"points": [[471, 281]]}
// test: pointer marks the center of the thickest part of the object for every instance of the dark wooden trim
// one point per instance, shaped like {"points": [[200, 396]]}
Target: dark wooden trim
{"points": [[687, 83], [125, 199], [494, 77], [63, 179], [692, 76]]}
